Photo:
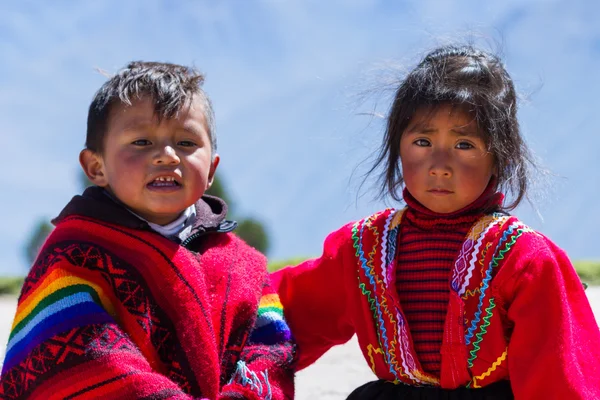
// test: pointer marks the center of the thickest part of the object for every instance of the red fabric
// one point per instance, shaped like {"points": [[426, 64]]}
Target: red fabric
{"points": [[174, 323], [540, 312], [429, 244]]}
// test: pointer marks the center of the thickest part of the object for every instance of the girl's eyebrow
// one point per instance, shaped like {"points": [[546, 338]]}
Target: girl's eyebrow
{"points": [[421, 127], [462, 131]]}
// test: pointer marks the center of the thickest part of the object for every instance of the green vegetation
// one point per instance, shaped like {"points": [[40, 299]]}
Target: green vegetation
{"points": [[277, 265], [589, 271], [11, 285], [249, 228]]}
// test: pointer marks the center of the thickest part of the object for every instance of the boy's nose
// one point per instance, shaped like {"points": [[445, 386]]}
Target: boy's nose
{"points": [[167, 155]]}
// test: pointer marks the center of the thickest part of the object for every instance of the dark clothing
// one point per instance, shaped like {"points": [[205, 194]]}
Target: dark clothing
{"points": [[383, 390]]}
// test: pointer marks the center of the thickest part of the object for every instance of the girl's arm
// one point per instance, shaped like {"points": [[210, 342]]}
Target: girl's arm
{"points": [[315, 298], [554, 349]]}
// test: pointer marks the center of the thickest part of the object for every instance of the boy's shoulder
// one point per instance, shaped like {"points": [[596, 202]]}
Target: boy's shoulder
{"points": [[98, 204]]}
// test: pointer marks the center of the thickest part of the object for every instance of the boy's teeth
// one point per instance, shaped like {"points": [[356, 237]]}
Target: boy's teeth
{"points": [[165, 181]]}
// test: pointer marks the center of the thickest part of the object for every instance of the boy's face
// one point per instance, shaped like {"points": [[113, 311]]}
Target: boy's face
{"points": [[445, 162], [156, 169]]}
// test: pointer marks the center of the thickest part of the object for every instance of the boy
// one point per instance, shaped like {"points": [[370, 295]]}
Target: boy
{"points": [[141, 290]]}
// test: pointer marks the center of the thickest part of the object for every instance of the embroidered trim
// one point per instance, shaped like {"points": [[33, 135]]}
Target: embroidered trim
{"points": [[370, 351], [375, 306], [485, 286], [478, 233], [247, 378], [491, 369], [375, 272]]}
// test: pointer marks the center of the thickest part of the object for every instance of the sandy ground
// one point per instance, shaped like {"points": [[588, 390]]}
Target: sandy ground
{"points": [[333, 377]]}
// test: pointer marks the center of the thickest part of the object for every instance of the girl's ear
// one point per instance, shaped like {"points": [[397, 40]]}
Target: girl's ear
{"points": [[93, 167]]}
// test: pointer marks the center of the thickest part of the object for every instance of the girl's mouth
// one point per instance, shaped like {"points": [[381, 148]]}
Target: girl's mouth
{"points": [[440, 191]]}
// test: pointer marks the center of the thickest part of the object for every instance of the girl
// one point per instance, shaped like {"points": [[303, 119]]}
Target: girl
{"points": [[450, 297]]}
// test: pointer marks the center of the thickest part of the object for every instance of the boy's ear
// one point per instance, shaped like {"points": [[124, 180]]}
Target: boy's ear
{"points": [[213, 168], [93, 167]]}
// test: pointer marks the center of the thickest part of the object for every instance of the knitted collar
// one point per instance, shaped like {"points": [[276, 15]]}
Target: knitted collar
{"points": [[421, 217]]}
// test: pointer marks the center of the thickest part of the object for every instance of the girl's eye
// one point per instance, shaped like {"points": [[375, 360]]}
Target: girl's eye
{"points": [[422, 142], [464, 146], [141, 142], [186, 143]]}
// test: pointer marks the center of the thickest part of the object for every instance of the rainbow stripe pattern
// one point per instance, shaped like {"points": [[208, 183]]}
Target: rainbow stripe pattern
{"points": [[58, 304], [270, 326]]}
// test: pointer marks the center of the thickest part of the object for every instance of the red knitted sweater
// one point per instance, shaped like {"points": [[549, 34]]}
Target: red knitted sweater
{"points": [[422, 281], [516, 310]]}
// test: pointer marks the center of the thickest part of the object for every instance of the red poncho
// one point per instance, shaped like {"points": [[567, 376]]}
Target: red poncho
{"points": [[108, 311]]}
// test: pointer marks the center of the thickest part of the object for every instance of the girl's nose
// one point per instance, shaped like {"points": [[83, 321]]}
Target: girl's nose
{"points": [[440, 165], [442, 172], [166, 155]]}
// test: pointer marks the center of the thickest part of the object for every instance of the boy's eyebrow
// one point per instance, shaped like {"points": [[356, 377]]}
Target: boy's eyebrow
{"points": [[138, 123]]}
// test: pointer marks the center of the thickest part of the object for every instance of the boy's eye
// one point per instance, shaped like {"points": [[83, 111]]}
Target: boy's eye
{"points": [[141, 142], [464, 146], [186, 143], [422, 142]]}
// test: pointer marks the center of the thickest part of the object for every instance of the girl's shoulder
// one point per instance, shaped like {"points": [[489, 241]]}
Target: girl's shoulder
{"points": [[514, 234], [384, 219], [377, 223], [522, 251]]}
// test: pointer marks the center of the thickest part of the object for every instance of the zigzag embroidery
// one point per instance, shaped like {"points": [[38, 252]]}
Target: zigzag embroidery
{"points": [[372, 299], [483, 331], [391, 356], [470, 293], [384, 259], [491, 369], [520, 229], [485, 286], [383, 305], [473, 262], [370, 350], [391, 253]]}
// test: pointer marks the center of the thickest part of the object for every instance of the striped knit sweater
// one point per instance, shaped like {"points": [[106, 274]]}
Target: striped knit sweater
{"points": [[108, 311], [429, 244]]}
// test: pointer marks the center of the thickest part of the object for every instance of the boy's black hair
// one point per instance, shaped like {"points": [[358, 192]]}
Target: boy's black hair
{"points": [[170, 86], [477, 82]]}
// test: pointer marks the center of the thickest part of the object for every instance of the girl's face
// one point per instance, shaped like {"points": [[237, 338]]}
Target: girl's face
{"points": [[445, 162]]}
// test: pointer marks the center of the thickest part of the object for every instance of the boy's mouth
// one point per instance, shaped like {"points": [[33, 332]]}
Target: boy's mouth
{"points": [[164, 181]]}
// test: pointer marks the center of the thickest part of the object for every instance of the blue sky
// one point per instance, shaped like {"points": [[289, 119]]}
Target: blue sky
{"points": [[286, 78]]}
